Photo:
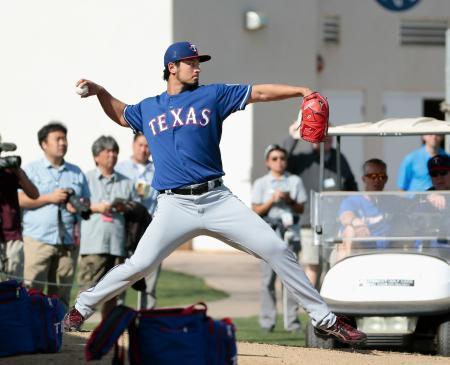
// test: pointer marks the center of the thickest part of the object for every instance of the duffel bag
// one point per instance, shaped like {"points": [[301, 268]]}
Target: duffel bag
{"points": [[47, 313], [30, 322], [167, 336], [16, 335]]}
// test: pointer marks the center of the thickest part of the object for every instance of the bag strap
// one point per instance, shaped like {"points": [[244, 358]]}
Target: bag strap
{"points": [[194, 308], [108, 331]]}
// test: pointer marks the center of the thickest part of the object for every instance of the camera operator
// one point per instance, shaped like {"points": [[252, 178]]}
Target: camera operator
{"points": [[103, 236], [12, 178], [48, 222]]}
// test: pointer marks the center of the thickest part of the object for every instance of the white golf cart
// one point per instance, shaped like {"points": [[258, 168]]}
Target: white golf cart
{"points": [[394, 285]]}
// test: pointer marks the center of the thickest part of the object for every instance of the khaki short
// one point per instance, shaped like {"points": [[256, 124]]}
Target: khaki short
{"points": [[11, 259], [91, 268], [310, 252], [50, 265]]}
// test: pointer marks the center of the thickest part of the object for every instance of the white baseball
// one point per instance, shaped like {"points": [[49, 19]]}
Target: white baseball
{"points": [[82, 90]]}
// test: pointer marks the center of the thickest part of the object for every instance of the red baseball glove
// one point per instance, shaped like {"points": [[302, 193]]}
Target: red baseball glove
{"points": [[314, 120]]}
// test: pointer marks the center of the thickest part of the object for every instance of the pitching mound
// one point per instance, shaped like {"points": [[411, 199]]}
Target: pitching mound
{"points": [[249, 354]]}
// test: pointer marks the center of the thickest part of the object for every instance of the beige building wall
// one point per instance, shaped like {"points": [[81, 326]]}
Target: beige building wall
{"points": [[274, 54], [368, 63], [369, 59]]}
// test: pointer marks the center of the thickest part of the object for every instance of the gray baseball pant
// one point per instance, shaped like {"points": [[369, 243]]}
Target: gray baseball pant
{"points": [[147, 299], [268, 313], [220, 214]]}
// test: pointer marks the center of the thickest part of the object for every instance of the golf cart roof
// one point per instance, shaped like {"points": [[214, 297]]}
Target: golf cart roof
{"points": [[393, 127]]}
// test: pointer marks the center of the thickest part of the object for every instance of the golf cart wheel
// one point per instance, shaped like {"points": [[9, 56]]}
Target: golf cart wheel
{"points": [[314, 341], [443, 339]]}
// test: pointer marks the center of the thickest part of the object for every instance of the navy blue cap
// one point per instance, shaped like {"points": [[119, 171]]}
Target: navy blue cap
{"points": [[439, 162], [181, 51]]}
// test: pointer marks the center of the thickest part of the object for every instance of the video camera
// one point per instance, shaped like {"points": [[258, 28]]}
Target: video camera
{"points": [[81, 208], [9, 161]]}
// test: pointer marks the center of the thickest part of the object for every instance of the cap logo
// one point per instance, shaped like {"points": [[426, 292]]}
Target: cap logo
{"points": [[193, 47]]}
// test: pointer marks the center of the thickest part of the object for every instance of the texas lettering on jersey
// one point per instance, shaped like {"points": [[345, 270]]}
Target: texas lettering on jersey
{"points": [[184, 131], [176, 118]]}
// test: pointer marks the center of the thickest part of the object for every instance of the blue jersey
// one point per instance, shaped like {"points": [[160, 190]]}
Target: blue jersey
{"points": [[184, 130], [370, 213], [413, 172]]}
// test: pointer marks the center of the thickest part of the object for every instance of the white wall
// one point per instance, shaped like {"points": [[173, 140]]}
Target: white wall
{"points": [[47, 45]]}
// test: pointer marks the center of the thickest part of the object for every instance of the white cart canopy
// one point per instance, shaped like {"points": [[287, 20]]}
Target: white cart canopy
{"points": [[393, 127]]}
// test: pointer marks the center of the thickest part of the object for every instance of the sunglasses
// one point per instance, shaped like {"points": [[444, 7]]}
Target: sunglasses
{"points": [[275, 158], [438, 173], [377, 176]]}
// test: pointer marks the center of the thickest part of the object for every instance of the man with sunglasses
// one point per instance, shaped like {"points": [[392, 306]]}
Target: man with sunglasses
{"points": [[439, 171], [183, 127], [362, 215], [279, 198]]}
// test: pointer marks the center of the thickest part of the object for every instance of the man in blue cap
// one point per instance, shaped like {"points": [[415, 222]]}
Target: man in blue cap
{"points": [[183, 127]]}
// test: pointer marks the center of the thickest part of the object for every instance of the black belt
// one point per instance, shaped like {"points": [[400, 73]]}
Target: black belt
{"points": [[195, 190]]}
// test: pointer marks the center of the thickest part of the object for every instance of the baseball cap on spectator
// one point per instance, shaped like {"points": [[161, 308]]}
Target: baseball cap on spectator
{"points": [[439, 163], [183, 51], [273, 147]]}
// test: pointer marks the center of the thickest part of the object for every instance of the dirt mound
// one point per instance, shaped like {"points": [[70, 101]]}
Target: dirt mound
{"points": [[249, 354]]}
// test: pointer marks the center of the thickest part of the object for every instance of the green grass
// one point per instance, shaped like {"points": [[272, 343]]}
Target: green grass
{"points": [[248, 330], [174, 289]]}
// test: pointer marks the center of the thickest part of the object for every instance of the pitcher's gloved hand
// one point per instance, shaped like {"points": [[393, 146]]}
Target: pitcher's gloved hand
{"points": [[314, 120]]}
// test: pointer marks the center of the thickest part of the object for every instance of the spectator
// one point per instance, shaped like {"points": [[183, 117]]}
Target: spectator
{"points": [[364, 215], [11, 242], [103, 235], [140, 169], [439, 171], [307, 166], [48, 221], [413, 173], [279, 198]]}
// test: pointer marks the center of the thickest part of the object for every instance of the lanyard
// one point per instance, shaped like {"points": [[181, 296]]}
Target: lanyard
{"points": [[107, 185]]}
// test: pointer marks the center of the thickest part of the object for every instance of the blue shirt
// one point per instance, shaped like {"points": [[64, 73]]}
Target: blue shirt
{"points": [[184, 131], [141, 173], [42, 223], [369, 212], [413, 172]]}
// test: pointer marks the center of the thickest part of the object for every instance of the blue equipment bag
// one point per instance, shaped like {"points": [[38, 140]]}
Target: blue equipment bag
{"points": [[16, 336], [170, 336], [29, 322], [46, 320]]}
